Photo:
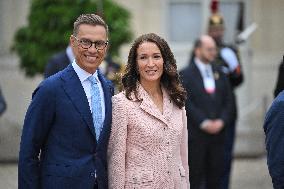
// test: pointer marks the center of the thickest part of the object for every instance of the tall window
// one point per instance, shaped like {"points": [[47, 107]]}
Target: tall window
{"points": [[186, 17], [233, 16], [185, 21]]}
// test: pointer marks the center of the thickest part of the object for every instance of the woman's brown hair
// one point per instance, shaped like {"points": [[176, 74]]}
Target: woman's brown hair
{"points": [[170, 78]]}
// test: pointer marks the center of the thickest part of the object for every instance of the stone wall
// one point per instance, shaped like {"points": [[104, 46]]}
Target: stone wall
{"points": [[13, 14], [17, 90]]}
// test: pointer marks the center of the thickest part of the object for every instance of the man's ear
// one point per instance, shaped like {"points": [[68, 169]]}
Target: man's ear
{"points": [[197, 51], [71, 41], [108, 46]]}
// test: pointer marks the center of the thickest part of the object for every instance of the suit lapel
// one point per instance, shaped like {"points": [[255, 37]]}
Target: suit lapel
{"points": [[167, 106], [217, 80], [108, 92], [148, 105], [200, 80], [198, 77], [77, 95]]}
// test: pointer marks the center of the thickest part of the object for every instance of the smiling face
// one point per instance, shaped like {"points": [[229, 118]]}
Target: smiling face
{"points": [[89, 59], [149, 63]]}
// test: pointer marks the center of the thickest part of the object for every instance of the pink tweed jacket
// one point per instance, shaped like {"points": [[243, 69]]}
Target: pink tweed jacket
{"points": [[147, 149]]}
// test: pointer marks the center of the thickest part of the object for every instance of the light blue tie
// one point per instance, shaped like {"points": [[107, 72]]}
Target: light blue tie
{"points": [[207, 72], [96, 106]]}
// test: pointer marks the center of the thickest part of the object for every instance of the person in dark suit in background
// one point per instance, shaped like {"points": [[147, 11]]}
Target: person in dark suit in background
{"points": [[209, 111], [274, 141], [280, 79], [229, 61], [58, 62], [67, 125]]}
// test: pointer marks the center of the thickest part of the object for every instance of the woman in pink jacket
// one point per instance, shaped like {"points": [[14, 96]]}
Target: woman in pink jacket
{"points": [[148, 142]]}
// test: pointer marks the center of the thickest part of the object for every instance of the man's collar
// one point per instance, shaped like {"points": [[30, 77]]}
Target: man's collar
{"points": [[82, 74]]}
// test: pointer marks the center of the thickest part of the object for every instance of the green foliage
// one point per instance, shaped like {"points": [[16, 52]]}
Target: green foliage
{"points": [[50, 24]]}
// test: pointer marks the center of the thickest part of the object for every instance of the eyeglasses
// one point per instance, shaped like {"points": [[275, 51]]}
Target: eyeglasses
{"points": [[211, 50], [86, 43]]}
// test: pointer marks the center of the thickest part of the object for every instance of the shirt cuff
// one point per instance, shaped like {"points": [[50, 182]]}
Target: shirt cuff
{"points": [[204, 124]]}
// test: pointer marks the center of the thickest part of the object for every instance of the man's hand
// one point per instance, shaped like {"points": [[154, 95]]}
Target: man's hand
{"points": [[213, 126], [218, 125]]}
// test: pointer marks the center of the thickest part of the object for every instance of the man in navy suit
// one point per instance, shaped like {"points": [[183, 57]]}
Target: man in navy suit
{"points": [[63, 146], [209, 111], [274, 131]]}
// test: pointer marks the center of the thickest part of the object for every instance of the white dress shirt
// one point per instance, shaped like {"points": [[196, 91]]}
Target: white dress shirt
{"points": [[208, 82], [207, 75], [83, 76]]}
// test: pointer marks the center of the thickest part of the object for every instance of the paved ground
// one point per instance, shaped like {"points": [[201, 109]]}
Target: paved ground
{"points": [[247, 174], [251, 174]]}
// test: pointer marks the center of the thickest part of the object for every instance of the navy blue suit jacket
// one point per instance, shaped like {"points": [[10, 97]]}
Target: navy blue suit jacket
{"points": [[58, 146], [274, 131], [201, 106]]}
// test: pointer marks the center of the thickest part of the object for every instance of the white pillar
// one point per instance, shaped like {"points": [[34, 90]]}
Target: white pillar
{"points": [[13, 14]]}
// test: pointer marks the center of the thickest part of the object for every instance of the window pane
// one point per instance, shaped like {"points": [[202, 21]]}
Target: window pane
{"points": [[185, 21], [230, 12]]}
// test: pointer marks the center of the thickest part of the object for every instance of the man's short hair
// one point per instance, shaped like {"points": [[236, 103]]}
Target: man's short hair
{"points": [[90, 19]]}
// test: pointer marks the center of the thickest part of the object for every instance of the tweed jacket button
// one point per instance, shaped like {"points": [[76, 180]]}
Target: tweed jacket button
{"points": [[135, 180]]}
